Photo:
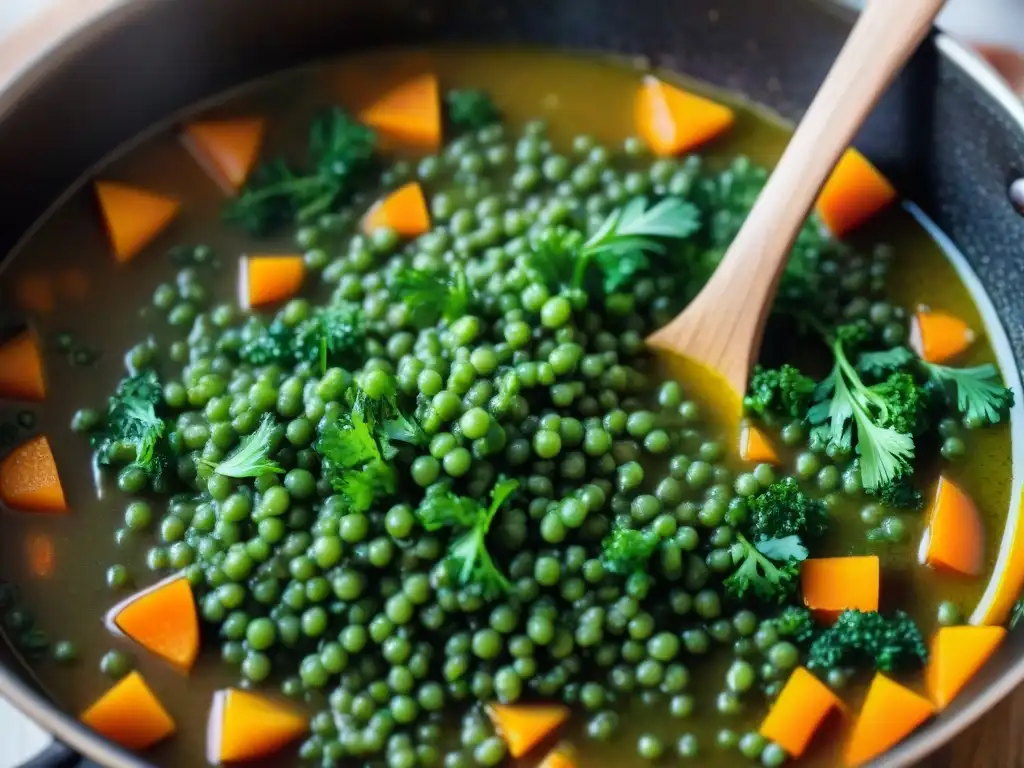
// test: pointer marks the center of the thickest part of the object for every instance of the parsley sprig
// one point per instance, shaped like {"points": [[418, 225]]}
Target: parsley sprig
{"points": [[430, 295], [340, 151], [252, 457], [468, 562], [619, 249], [132, 422]]}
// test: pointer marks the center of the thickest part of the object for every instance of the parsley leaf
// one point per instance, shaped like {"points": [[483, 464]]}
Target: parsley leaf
{"points": [[786, 548], [251, 458], [980, 394], [757, 574], [132, 420], [626, 550], [880, 364], [430, 295], [468, 562], [470, 108], [620, 248], [843, 403], [340, 151]]}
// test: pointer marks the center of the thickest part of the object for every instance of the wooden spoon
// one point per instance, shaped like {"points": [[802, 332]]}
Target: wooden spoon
{"points": [[720, 331]]}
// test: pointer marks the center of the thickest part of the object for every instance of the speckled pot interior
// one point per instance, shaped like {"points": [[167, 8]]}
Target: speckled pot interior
{"points": [[947, 140]]}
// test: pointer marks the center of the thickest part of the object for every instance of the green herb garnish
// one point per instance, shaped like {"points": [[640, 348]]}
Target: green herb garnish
{"points": [[470, 108], [251, 458], [132, 422]]}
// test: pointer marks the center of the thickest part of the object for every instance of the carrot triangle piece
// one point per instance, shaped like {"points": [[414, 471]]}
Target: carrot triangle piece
{"points": [[799, 711], [890, 712], [404, 210], [130, 714], [854, 193], [955, 537], [133, 216], [671, 120], [755, 446], [246, 726], [163, 620], [956, 654], [523, 726], [409, 114], [267, 279], [29, 479], [939, 336], [832, 585], [21, 369], [227, 149], [562, 756]]}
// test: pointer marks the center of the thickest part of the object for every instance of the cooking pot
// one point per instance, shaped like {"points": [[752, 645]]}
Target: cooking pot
{"points": [[94, 74]]}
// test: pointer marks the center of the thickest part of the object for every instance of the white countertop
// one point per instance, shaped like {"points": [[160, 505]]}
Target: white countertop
{"points": [[989, 21]]}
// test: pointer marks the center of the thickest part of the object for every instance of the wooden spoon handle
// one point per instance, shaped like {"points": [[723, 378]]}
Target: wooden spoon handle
{"points": [[884, 37]]}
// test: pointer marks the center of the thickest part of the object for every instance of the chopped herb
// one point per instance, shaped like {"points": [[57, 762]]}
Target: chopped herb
{"points": [[332, 335], [780, 392], [131, 420], [757, 574], [430, 295], [620, 247], [626, 550], [468, 562], [251, 458], [471, 108], [340, 151], [979, 393], [871, 640]]}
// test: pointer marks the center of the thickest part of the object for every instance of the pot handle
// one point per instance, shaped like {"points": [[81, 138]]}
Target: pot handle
{"points": [[57, 755]]}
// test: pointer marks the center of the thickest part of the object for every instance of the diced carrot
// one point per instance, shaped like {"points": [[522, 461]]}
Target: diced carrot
{"points": [[799, 711], [939, 336], [72, 283], [267, 279], [671, 120], [832, 585], [755, 446], [562, 756], [246, 726], [134, 217], [956, 654], [404, 210], [34, 292], [524, 726], [163, 620], [21, 369], [854, 193], [130, 714], [408, 115], [890, 712], [955, 537], [29, 479], [40, 554], [227, 149]]}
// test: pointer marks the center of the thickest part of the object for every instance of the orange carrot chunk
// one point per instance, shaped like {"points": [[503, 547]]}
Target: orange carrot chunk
{"points": [[134, 217], [890, 712], [854, 193], [955, 538], [269, 279], [799, 711], [227, 149], [130, 715], [163, 620], [938, 336], [671, 120], [21, 369], [409, 114], [34, 292], [562, 756], [832, 585], [29, 480], [39, 552], [524, 726], [956, 654], [247, 726], [404, 210], [755, 446]]}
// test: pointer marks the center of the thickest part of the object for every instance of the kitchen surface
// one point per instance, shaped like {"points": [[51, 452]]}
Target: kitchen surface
{"points": [[987, 22]]}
